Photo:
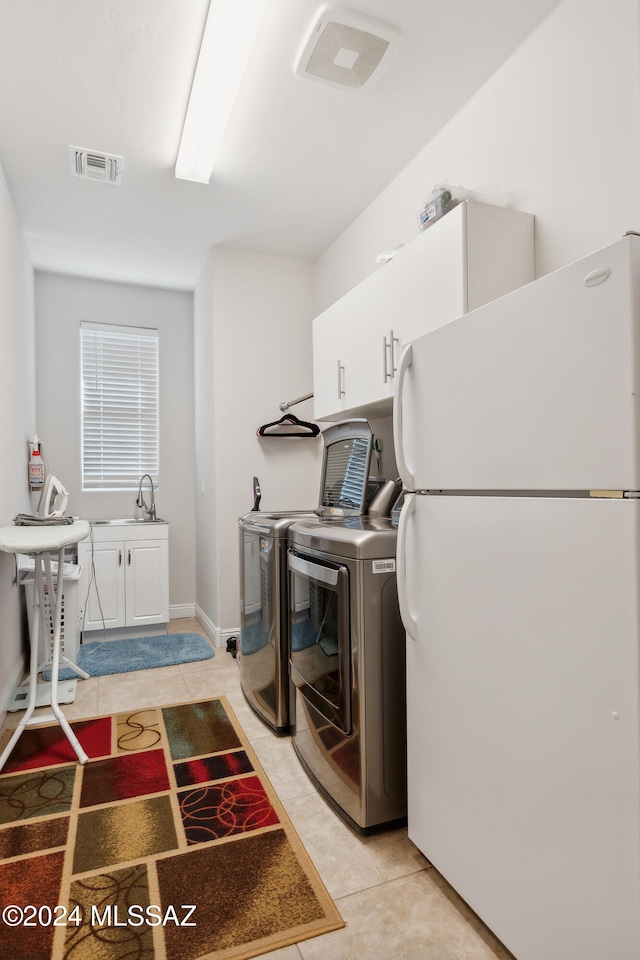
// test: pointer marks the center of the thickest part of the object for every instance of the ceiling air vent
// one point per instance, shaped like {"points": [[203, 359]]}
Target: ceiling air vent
{"points": [[92, 165], [345, 49]]}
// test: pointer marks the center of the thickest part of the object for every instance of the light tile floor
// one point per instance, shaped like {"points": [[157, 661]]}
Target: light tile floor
{"points": [[395, 904]]}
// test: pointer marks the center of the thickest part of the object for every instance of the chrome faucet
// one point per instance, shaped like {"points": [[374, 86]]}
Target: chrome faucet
{"points": [[140, 502]]}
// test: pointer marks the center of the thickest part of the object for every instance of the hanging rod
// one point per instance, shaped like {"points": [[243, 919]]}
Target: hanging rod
{"points": [[291, 403]]}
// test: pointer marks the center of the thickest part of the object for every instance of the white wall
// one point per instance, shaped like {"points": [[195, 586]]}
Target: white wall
{"points": [[17, 425], [61, 304], [557, 128], [253, 340], [206, 546]]}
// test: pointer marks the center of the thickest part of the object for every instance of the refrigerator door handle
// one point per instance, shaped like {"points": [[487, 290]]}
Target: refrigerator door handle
{"points": [[411, 625], [403, 469]]}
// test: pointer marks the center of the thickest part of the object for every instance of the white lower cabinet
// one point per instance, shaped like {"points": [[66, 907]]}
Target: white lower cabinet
{"points": [[473, 255], [124, 583]]}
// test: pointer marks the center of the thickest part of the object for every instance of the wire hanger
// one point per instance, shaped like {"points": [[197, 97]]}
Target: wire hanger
{"points": [[285, 427]]}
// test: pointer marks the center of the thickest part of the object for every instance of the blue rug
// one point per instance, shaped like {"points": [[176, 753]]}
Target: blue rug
{"points": [[101, 657]]}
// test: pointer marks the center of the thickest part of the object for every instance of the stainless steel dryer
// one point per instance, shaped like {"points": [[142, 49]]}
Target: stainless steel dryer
{"points": [[347, 666], [264, 627]]}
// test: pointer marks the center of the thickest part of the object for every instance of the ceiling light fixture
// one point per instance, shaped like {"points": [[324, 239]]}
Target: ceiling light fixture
{"points": [[227, 42]]}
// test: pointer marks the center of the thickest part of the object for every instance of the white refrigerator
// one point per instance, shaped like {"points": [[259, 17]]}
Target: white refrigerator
{"points": [[517, 433]]}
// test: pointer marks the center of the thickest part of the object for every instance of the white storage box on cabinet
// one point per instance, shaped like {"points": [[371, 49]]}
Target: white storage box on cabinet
{"points": [[476, 253], [125, 579]]}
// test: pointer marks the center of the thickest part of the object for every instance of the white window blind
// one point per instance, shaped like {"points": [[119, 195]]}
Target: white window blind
{"points": [[119, 405]]}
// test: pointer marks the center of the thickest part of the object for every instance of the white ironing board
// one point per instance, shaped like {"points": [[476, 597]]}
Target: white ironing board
{"points": [[41, 542]]}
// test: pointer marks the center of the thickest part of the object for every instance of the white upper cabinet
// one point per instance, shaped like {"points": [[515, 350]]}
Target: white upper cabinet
{"points": [[348, 349], [473, 255]]}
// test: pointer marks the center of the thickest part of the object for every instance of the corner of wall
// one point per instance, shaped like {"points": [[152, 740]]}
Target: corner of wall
{"points": [[17, 423]]}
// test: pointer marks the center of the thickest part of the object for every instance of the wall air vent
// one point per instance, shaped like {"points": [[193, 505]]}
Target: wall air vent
{"points": [[93, 165], [345, 49]]}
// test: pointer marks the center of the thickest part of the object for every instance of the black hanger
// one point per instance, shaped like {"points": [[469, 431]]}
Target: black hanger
{"points": [[289, 420]]}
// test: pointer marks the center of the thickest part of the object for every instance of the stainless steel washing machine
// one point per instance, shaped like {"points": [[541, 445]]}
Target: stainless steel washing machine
{"points": [[264, 627], [345, 490], [347, 666]]}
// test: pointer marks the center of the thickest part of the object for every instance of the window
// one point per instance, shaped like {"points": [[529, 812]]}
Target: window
{"points": [[119, 405]]}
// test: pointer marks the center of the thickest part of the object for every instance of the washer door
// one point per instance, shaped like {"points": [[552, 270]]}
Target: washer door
{"points": [[320, 637], [262, 663]]}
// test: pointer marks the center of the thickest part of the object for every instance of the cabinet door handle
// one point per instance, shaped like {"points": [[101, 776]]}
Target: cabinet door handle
{"points": [[341, 390], [394, 341], [386, 376], [129, 560], [119, 558], [389, 351]]}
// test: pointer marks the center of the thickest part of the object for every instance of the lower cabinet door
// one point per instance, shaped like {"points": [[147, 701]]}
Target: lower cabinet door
{"points": [[147, 581], [103, 584]]}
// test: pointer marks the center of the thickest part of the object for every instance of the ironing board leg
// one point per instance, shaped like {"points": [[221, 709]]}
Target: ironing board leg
{"points": [[33, 681], [41, 560], [74, 666], [57, 620]]}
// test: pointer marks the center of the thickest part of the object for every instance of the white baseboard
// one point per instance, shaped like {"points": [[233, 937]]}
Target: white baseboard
{"points": [[179, 610], [7, 692], [124, 633], [226, 634], [217, 635], [209, 625]]}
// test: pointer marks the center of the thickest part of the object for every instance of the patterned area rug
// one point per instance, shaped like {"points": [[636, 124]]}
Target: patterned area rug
{"points": [[169, 844]]}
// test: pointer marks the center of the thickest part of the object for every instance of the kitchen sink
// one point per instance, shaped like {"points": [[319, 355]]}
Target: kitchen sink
{"points": [[126, 520]]}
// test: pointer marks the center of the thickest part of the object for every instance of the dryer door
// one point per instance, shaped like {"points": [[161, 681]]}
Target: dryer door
{"points": [[320, 639]]}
